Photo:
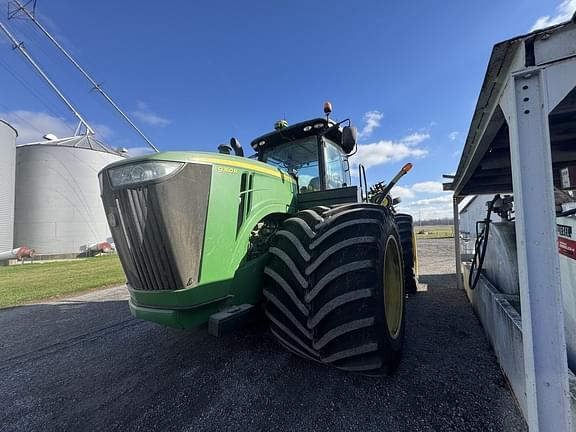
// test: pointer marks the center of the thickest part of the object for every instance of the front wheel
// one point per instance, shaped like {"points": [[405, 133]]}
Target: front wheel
{"points": [[335, 287]]}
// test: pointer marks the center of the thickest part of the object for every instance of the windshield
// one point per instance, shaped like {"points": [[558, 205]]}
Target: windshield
{"points": [[299, 158]]}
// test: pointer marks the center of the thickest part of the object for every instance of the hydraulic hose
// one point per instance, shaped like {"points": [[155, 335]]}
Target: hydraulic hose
{"points": [[480, 246]]}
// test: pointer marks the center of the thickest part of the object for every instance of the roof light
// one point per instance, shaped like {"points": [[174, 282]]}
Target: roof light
{"points": [[318, 125], [261, 143], [281, 124], [307, 128]]}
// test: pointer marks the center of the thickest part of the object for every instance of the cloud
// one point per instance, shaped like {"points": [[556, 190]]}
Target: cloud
{"points": [[453, 135], [432, 208], [415, 138], [151, 119], [32, 126], [402, 192], [431, 201], [371, 122], [386, 151], [428, 187], [437, 212], [564, 11], [145, 115]]}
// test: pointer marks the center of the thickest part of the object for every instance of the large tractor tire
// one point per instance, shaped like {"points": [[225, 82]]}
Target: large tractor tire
{"points": [[334, 287], [409, 256]]}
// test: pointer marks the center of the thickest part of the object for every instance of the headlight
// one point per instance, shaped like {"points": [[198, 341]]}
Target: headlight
{"points": [[141, 172]]}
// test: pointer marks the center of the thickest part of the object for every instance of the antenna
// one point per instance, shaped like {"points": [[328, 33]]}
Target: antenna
{"points": [[20, 47], [95, 85]]}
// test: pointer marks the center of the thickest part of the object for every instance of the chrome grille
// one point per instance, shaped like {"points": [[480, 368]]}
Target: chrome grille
{"points": [[146, 240]]}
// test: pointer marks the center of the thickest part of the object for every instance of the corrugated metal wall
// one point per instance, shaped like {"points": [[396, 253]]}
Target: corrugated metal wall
{"points": [[58, 207], [7, 178], [474, 211]]}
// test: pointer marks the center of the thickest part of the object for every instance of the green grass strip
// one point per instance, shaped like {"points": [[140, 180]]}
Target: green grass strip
{"points": [[27, 283]]}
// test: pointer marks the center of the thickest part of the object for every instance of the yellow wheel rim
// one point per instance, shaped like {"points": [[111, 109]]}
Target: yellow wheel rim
{"points": [[393, 288]]}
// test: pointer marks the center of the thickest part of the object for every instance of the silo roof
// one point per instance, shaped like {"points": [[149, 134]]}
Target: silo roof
{"points": [[9, 125], [87, 141]]}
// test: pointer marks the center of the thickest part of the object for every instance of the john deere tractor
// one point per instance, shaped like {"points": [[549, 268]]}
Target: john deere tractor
{"points": [[212, 237]]}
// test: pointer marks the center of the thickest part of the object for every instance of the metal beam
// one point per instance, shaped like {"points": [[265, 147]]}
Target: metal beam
{"points": [[457, 243], [547, 393], [20, 47], [487, 190], [96, 86]]}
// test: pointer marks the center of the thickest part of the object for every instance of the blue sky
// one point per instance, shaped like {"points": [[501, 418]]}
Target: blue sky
{"points": [[192, 74]]}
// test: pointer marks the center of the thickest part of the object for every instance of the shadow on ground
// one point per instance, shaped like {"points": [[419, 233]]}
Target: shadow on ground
{"points": [[438, 280], [76, 366]]}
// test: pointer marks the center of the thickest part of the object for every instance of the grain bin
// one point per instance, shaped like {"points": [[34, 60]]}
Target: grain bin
{"points": [[7, 175], [58, 208]]}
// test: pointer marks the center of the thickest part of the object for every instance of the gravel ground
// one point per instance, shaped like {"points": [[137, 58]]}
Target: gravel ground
{"points": [[85, 364]]}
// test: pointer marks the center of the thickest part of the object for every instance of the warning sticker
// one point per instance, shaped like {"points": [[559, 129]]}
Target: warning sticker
{"points": [[567, 247]]}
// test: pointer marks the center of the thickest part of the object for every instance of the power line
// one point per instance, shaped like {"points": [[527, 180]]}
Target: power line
{"points": [[96, 86], [31, 90], [20, 47]]}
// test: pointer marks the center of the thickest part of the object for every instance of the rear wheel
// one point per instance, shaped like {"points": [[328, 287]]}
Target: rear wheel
{"points": [[408, 240], [334, 287]]}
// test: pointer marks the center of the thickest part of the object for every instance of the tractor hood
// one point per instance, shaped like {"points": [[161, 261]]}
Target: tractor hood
{"points": [[207, 158]]}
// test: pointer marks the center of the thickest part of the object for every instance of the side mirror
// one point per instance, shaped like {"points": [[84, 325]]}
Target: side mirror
{"points": [[236, 146], [349, 137]]}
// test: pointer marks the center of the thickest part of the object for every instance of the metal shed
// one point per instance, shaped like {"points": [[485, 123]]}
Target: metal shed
{"points": [[58, 208], [522, 132]]}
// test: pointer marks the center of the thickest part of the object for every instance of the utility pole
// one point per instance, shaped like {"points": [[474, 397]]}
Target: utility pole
{"points": [[95, 85]]}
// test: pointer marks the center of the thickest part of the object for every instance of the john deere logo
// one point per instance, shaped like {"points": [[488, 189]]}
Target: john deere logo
{"points": [[565, 230]]}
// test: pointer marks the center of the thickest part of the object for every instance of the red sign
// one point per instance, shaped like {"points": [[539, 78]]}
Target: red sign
{"points": [[567, 247]]}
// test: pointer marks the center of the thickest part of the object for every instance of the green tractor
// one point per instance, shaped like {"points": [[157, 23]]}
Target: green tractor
{"points": [[210, 237]]}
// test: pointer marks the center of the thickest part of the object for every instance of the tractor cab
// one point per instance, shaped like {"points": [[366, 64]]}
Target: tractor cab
{"points": [[314, 152]]}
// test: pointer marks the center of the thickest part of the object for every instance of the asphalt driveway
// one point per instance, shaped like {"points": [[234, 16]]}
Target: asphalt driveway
{"points": [[85, 364]]}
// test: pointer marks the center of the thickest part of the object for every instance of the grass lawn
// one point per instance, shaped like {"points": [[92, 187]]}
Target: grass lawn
{"points": [[40, 281], [434, 232]]}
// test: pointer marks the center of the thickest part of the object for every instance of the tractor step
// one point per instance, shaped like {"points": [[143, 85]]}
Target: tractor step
{"points": [[228, 320]]}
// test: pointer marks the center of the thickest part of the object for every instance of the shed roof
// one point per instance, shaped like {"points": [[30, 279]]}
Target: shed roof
{"points": [[484, 166]]}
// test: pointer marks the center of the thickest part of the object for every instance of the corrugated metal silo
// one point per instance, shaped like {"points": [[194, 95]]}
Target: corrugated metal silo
{"points": [[7, 175], [58, 207]]}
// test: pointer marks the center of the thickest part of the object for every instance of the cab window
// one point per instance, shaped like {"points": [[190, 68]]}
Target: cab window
{"points": [[337, 169]]}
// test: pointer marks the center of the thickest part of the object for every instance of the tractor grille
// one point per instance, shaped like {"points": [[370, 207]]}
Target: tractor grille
{"points": [[158, 228], [146, 241]]}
